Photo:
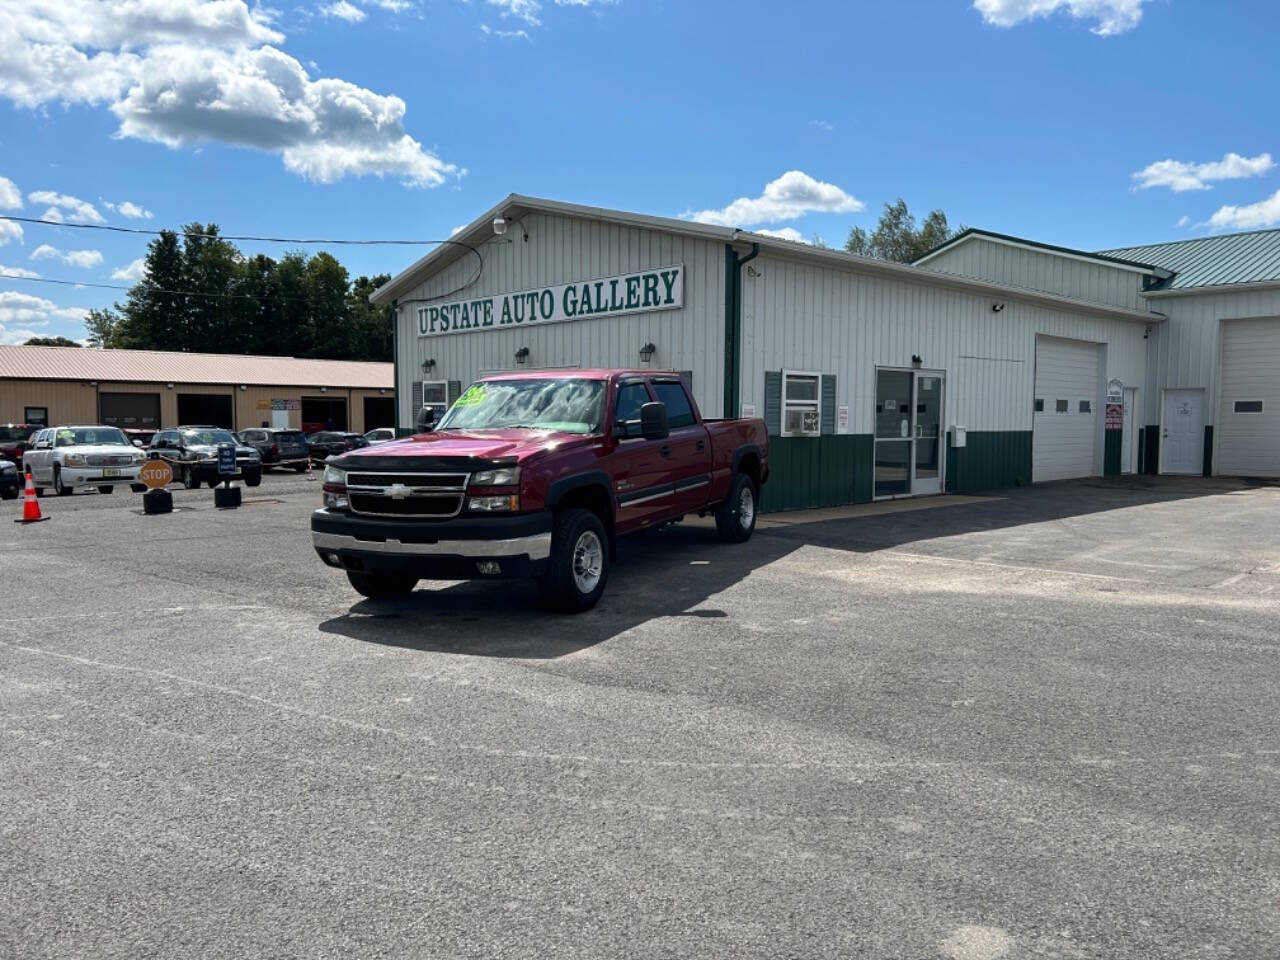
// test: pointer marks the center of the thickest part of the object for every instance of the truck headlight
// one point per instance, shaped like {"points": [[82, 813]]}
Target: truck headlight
{"points": [[73, 460], [335, 488], [501, 477], [494, 504]]}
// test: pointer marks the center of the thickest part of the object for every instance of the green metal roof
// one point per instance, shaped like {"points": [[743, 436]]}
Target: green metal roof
{"points": [[1212, 261]]}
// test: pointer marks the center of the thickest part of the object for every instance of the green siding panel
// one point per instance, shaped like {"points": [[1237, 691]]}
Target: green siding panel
{"points": [[825, 471], [989, 460], [1208, 450], [1151, 448], [1111, 456]]}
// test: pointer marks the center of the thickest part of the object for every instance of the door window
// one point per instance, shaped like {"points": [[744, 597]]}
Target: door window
{"points": [[631, 397], [679, 410]]}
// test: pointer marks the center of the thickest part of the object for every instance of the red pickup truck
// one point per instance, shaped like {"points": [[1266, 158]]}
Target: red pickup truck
{"points": [[537, 475]]}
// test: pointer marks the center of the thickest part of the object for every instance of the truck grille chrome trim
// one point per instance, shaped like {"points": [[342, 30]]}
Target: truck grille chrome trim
{"points": [[535, 547], [434, 496]]}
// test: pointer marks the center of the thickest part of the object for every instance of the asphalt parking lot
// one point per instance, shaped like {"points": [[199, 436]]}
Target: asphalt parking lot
{"points": [[1038, 725]]}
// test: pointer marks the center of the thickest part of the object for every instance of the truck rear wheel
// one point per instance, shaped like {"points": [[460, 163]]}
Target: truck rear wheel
{"points": [[736, 517], [381, 588], [578, 567]]}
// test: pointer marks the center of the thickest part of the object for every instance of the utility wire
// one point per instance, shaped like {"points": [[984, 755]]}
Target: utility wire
{"points": [[226, 236]]}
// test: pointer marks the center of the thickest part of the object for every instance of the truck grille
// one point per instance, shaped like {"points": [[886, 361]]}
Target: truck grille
{"points": [[109, 459], [427, 495]]}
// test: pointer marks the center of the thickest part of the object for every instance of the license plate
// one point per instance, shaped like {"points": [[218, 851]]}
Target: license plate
{"points": [[111, 472]]}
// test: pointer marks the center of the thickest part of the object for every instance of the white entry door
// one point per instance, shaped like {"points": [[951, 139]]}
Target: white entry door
{"points": [[1182, 442], [1129, 439]]}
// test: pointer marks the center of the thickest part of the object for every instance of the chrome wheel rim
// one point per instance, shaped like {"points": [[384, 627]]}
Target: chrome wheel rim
{"points": [[746, 508], [588, 561]]}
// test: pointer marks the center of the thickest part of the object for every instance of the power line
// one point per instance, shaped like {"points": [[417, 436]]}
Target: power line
{"points": [[151, 288], [226, 236]]}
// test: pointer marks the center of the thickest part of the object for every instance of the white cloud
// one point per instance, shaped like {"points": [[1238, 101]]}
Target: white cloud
{"points": [[395, 6], [24, 310], [76, 208], [10, 195], [792, 195], [1182, 221], [1110, 16], [187, 72], [132, 273], [1264, 213], [1181, 177], [526, 10], [9, 231], [53, 215], [128, 209], [785, 233], [504, 34], [457, 230], [826, 125], [16, 272], [73, 258], [342, 10]]}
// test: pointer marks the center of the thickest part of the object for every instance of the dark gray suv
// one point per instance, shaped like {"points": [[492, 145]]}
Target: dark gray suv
{"points": [[193, 454], [278, 447]]}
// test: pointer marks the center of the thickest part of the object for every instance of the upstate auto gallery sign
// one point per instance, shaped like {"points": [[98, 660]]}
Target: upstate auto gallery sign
{"points": [[658, 289]]}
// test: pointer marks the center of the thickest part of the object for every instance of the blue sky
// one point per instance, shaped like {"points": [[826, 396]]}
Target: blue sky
{"points": [[1088, 123]]}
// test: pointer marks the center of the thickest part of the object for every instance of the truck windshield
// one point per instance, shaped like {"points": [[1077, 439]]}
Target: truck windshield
{"points": [[88, 436], [570, 405]]}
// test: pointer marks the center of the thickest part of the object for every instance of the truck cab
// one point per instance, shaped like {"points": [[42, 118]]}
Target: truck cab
{"points": [[537, 475]]}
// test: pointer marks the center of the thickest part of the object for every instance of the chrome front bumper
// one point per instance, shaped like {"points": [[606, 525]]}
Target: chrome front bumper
{"points": [[535, 547]]}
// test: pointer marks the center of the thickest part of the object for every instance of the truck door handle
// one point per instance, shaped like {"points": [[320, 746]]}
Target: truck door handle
{"points": [[665, 450], [701, 444]]}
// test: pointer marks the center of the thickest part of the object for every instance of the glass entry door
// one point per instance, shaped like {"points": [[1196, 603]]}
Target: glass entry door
{"points": [[908, 442]]}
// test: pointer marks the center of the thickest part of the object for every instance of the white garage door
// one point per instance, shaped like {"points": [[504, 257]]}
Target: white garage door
{"points": [[1249, 420], [1066, 409]]}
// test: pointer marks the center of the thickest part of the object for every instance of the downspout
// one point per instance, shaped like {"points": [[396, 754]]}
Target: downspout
{"points": [[395, 366], [733, 265]]}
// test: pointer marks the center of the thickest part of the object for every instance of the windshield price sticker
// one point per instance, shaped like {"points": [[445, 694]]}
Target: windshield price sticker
{"points": [[648, 290], [475, 394]]}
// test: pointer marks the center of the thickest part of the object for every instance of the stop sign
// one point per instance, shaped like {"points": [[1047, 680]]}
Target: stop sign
{"points": [[156, 474]]}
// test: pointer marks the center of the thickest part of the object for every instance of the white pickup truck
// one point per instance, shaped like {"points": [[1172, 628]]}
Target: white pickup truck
{"points": [[68, 457]]}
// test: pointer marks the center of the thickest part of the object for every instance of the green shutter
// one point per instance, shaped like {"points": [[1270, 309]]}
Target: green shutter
{"points": [[455, 391], [772, 402], [417, 397], [688, 379], [828, 403]]}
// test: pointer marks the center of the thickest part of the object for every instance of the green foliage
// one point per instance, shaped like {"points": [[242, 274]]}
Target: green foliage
{"points": [[896, 237], [199, 293], [50, 342]]}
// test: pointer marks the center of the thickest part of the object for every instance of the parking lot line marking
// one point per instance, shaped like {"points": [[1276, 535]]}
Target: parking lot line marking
{"points": [[1010, 566]]}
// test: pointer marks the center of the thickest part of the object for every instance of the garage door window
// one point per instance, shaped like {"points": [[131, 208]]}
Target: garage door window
{"points": [[1248, 406], [1063, 406], [1086, 406], [801, 404], [1039, 405]]}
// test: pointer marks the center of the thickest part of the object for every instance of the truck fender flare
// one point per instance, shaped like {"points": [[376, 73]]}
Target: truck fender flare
{"points": [[745, 450], [581, 481]]}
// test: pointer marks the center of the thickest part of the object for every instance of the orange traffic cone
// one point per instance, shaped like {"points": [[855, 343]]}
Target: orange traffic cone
{"points": [[30, 505]]}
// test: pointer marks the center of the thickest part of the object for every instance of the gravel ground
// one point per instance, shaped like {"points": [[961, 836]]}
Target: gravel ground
{"points": [[1040, 725]]}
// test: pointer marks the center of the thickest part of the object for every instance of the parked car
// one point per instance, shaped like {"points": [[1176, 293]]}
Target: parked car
{"points": [[88, 456], [329, 443], [537, 475], [14, 439], [8, 480], [380, 435], [278, 447], [193, 454]]}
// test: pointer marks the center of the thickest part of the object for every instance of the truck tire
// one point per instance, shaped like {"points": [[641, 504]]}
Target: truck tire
{"points": [[189, 479], [578, 567], [381, 588], [58, 487], [736, 517]]}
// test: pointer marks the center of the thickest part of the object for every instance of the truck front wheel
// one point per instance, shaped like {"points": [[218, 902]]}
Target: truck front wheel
{"points": [[381, 588], [736, 517], [578, 567]]}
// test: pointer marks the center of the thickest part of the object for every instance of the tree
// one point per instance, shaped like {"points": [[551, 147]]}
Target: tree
{"points": [[103, 326], [50, 342], [896, 237]]}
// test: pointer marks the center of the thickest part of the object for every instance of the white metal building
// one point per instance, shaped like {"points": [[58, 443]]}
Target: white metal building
{"points": [[994, 361]]}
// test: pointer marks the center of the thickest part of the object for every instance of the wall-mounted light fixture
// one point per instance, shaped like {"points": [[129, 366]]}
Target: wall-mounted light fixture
{"points": [[499, 225], [382, 389], [428, 364], [997, 307], [647, 352], [522, 356], [243, 387], [916, 361], [1147, 332], [324, 389], [169, 385], [93, 383]]}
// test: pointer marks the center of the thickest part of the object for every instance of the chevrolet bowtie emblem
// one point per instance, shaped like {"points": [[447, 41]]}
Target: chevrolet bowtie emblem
{"points": [[398, 491]]}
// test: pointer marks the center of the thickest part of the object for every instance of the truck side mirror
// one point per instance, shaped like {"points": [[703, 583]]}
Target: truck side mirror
{"points": [[653, 421], [426, 420]]}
